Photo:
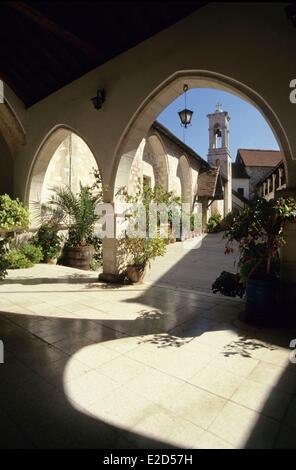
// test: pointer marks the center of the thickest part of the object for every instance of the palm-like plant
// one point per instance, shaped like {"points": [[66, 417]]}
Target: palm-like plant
{"points": [[75, 211]]}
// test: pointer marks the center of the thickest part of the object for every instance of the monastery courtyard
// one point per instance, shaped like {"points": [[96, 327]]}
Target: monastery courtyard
{"points": [[144, 366]]}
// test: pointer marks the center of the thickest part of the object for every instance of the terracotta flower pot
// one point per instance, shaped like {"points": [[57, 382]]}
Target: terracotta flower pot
{"points": [[136, 273]]}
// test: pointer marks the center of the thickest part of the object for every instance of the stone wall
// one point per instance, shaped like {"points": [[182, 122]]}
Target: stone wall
{"points": [[256, 173], [58, 171]]}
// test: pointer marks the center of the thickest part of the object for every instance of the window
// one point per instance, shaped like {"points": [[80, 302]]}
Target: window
{"points": [[218, 137], [240, 191]]}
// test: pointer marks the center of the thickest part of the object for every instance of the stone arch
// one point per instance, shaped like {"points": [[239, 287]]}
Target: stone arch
{"points": [[41, 162], [152, 151], [185, 174], [11, 128], [168, 91], [159, 160]]}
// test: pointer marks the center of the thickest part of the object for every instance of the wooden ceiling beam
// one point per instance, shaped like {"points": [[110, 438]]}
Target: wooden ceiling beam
{"points": [[55, 29]]}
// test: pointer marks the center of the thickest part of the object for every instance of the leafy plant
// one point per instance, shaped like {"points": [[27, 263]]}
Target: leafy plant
{"points": [[229, 284], [142, 250], [24, 257], [214, 223], [3, 260], [96, 242], [50, 242], [17, 260], [139, 251], [13, 214], [146, 195], [75, 211], [259, 232], [32, 252]]}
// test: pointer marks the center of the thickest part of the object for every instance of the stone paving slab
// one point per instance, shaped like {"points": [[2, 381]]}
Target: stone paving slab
{"points": [[93, 366]]}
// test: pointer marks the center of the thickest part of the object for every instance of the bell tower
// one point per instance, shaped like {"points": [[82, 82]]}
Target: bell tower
{"points": [[219, 153]]}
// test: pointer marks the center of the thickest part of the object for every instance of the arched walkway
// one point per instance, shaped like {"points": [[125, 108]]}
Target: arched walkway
{"points": [[185, 175], [158, 100], [152, 152], [169, 90]]}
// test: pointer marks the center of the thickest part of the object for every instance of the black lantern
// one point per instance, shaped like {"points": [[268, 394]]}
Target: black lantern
{"points": [[99, 99], [186, 114]]}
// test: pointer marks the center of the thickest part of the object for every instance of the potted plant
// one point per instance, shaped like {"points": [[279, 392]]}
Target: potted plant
{"points": [[77, 212], [214, 223], [259, 233], [141, 251], [48, 238]]}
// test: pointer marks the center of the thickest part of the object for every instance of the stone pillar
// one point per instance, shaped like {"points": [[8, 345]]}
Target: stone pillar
{"points": [[113, 259]]}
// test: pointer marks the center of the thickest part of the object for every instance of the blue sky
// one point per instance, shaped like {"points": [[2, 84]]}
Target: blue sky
{"points": [[248, 128]]}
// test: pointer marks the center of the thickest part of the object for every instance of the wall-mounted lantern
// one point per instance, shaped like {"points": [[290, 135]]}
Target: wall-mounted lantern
{"points": [[99, 99]]}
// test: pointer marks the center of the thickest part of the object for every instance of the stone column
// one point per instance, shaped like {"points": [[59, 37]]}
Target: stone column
{"points": [[113, 258]]}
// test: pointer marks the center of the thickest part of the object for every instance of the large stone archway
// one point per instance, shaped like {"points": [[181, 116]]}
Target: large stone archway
{"points": [[154, 104], [167, 92], [44, 175]]}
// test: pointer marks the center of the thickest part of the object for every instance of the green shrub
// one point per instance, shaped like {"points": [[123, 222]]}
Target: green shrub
{"points": [[229, 284], [15, 259], [143, 250], [95, 265], [3, 261], [214, 223], [48, 239], [13, 214], [24, 257], [32, 252]]}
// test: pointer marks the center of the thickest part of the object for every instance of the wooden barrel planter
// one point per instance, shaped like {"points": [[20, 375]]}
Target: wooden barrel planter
{"points": [[80, 257]]}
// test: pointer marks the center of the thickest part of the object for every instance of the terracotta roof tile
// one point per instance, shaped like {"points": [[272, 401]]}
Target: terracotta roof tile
{"points": [[207, 183], [260, 157]]}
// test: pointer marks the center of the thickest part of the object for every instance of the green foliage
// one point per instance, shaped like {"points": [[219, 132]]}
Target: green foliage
{"points": [[3, 261], [214, 223], [13, 214], [143, 250], [229, 284], [258, 231], [32, 252], [95, 265], [96, 242], [146, 195], [226, 223], [50, 242], [23, 257], [76, 212], [16, 259]]}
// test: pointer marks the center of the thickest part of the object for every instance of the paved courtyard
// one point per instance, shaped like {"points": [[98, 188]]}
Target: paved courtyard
{"points": [[87, 365], [189, 268]]}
